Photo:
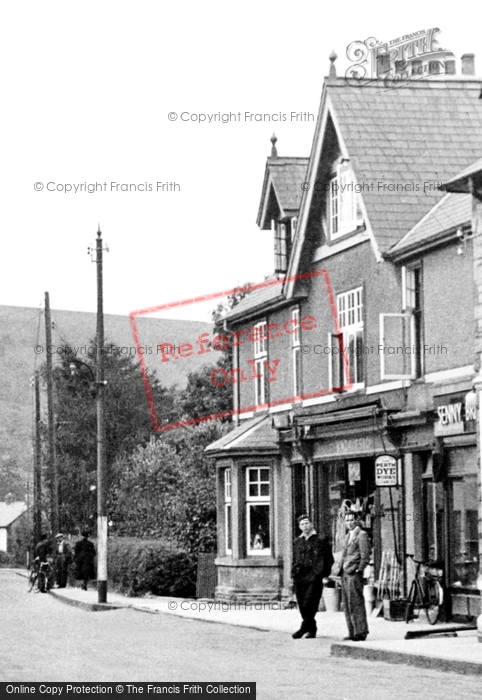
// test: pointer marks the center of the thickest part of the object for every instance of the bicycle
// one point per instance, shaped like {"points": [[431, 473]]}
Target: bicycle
{"points": [[42, 574], [426, 590]]}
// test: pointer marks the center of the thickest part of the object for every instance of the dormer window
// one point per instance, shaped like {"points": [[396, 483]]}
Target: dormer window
{"points": [[343, 208], [282, 244]]}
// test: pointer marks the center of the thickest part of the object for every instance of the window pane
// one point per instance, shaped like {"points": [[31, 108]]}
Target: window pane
{"points": [[229, 529], [253, 475], [264, 489], [259, 527], [253, 490], [264, 475]]}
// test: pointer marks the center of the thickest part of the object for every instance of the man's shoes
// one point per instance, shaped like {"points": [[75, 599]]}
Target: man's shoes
{"points": [[347, 639], [359, 638], [298, 634], [310, 635]]}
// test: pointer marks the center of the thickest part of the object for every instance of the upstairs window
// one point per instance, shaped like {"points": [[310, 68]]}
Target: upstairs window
{"points": [[401, 335], [260, 357], [296, 351], [343, 207], [282, 244], [347, 346]]}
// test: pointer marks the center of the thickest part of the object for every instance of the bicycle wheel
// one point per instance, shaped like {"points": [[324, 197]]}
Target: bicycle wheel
{"points": [[32, 580], [435, 599], [412, 596]]}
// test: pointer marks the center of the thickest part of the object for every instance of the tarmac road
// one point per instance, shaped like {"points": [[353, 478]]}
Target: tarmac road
{"points": [[42, 639]]}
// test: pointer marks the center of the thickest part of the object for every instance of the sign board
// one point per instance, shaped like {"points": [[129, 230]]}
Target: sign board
{"points": [[386, 471], [456, 415]]}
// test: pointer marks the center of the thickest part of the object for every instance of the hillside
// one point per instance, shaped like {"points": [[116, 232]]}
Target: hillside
{"points": [[21, 329]]}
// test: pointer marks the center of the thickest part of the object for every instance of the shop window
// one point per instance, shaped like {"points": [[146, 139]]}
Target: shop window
{"points": [[463, 533], [227, 511], [258, 511], [346, 369]]}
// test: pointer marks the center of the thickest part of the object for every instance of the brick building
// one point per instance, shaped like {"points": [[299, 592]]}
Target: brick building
{"points": [[361, 345]]}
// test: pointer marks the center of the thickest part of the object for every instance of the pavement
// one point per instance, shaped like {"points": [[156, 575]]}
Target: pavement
{"points": [[444, 646]]}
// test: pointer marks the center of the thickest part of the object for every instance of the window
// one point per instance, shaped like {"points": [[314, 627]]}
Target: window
{"points": [[343, 206], [401, 335], [347, 346], [260, 357], [282, 245], [227, 511], [463, 534], [412, 303], [295, 344], [258, 511]]}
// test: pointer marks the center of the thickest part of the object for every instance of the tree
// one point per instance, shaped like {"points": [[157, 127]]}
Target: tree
{"points": [[202, 397], [168, 490], [127, 420]]}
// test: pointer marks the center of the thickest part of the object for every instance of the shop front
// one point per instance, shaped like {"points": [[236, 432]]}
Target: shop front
{"points": [[451, 504]]}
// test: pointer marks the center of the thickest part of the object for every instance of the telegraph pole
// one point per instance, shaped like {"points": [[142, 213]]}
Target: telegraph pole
{"points": [[101, 466], [54, 477], [37, 478]]}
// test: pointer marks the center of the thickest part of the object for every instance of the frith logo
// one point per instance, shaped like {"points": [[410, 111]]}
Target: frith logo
{"points": [[408, 57]]}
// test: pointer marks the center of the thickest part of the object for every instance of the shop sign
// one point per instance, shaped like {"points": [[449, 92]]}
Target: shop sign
{"points": [[454, 416], [386, 471]]}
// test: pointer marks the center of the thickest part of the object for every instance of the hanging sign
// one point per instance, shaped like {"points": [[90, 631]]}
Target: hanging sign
{"points": [[386, 471]]}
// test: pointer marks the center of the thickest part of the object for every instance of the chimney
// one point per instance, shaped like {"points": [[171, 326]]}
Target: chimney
{"points": [[468, 64]]}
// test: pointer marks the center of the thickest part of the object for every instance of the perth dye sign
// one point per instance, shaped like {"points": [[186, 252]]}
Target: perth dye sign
{"points": [[386, 471]]}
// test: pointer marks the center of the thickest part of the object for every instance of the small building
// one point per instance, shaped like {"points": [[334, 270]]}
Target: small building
{"points": [[11, 512]]}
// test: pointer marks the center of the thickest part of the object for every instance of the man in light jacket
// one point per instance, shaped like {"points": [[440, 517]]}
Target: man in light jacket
{"points": [[354, 559]]}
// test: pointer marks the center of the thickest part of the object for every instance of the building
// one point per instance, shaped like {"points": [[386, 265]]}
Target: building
{"points": [[353, 362], [11, 513]]}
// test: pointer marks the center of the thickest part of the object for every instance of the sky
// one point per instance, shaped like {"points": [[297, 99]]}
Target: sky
{"points": [[109, 92]]}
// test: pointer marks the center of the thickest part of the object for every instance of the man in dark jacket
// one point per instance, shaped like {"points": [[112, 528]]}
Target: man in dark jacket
{"points": [[312, 560], [84, 560]]}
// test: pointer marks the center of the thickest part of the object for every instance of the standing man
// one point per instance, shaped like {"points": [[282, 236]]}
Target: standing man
{"points": [[312, 559], [63, 557], [84, 555], [355, 557]]}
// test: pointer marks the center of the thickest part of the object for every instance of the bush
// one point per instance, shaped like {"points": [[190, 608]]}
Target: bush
{"points": [[6, 559], [138, 566]]}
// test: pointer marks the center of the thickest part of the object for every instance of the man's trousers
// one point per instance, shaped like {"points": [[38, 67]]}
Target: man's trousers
{"points": [[308, 594], [354, 604]]}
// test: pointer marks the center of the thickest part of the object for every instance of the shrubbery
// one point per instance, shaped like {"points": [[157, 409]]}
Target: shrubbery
{"points": [[6, 559], [150, 566]]}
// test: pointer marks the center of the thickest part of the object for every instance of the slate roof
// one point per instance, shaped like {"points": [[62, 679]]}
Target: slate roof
{"points": [[459, 183], [286, 175], [269, 290], [426, 130], [452, 211], [9, 512], [252, 434]]}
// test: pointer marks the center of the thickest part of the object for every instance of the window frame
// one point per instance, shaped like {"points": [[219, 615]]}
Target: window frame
{"points": [[296, 355], [351, 327], [228, 522], [339, 202], [260, 356], [258, 500]]}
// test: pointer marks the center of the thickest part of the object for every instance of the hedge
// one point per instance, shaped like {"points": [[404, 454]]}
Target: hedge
{"points": [[136, 567]]}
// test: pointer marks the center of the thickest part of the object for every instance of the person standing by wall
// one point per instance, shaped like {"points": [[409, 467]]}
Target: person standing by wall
{"points": [[84, 555], [355, 557], [63, 557], [312, 559]]}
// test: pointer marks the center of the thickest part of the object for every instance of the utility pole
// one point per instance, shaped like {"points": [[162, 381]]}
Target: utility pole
{"points": [[54, 477], [37, 474], [101, 466]]}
